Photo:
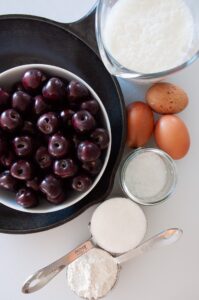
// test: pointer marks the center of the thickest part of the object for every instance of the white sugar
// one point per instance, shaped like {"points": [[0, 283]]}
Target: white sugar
{"points": [[118, 225], [149, 35], [146, 175]]}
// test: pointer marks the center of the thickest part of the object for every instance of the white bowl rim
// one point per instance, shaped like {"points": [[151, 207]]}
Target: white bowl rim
{"points": [[51, 68]]}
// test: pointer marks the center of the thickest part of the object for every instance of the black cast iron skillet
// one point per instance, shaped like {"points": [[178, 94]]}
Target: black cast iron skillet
{"points": [[28, 39]]}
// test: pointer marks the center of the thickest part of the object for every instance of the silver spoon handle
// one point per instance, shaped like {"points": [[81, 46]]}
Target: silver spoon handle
{"points": [[44, 275], [164, 238]]}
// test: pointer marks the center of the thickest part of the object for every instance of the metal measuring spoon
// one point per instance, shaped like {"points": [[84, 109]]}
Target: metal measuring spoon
{"points": [[99, 288], [44, 275], [164, 238], [39, 279]]}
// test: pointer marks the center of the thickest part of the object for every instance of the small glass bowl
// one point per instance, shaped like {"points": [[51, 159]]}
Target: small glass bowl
{"points": [[115, 68], [169, 186]]}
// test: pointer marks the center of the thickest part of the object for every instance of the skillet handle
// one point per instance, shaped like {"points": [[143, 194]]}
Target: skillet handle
{"points": [[85, 29]]}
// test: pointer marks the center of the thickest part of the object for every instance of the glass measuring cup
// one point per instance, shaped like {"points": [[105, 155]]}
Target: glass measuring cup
{"points": [[44, 275]]}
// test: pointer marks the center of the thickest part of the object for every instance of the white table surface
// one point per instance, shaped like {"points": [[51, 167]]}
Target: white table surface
{"points": [[166, 274]]}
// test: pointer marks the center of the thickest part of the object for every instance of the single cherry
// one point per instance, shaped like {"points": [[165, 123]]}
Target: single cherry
{"points": [[81, 183], [92, 106], [58, 145], [48, 123], [10, 120], [23, 145], [26, 198], [93, 167], [7, 181], [51, 186], [40, 106], [83, 121], [100, 137], [33, 80], [88, 151], [59, 199], [65, 168], [21, 101], [22, 170], [76, 91], [54, 89], [43, 158]]}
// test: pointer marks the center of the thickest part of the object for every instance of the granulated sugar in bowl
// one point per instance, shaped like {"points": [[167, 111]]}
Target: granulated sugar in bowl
{"points": [[118, 225], [148, 176]]}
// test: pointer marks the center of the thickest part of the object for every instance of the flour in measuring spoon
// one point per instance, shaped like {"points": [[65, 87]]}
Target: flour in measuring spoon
{"points": [[149, 36], [92, 275]]}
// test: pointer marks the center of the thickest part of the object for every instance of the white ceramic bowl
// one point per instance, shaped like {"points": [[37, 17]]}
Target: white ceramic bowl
{"points": [[7, 79]]}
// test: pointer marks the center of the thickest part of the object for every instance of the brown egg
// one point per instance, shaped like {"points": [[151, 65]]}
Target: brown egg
{"points": [[166, 98], [172, 136], [140, 124]]}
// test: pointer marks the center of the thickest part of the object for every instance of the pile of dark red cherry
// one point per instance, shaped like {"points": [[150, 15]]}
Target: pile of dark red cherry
{"points": [[51, 139]]}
